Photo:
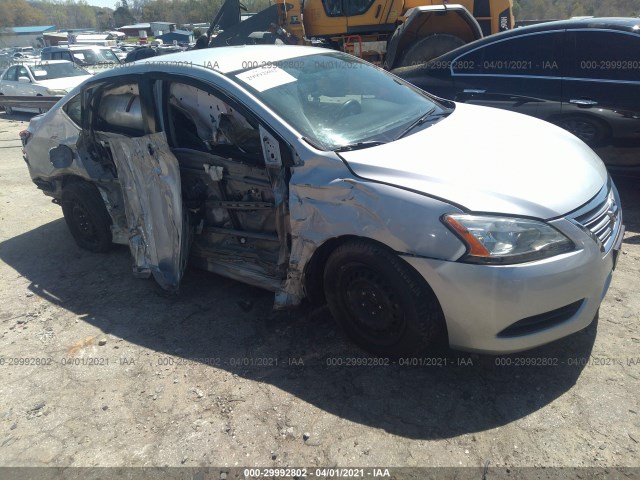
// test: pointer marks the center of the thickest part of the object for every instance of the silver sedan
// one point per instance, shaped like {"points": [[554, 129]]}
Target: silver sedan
{"points": [[317, 175]]}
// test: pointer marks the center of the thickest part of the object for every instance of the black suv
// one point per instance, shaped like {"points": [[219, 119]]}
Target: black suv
{"points": [[583, 75]]}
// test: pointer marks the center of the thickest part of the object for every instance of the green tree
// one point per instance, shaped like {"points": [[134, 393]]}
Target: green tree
{"points": [[560, 9], [122, 16], [15, 13]]}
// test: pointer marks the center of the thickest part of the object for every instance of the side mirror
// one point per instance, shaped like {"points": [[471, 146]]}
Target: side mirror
{"points": [[24, 80], [61, 156]]}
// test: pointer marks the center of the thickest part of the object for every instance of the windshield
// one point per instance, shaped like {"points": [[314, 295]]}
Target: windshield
{"points": [[93, 57], [49, 71], [335, 100]]}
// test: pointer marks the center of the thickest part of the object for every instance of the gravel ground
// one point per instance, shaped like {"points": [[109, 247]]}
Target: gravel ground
{"points": [[100, 369]]}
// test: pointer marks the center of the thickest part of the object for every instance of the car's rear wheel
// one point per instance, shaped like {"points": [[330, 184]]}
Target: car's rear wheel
{"points": [[87, 217], [590, 130], [380, 301]]}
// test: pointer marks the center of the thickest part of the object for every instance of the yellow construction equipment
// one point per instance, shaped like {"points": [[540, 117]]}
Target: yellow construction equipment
{"points": [[392, 33]]}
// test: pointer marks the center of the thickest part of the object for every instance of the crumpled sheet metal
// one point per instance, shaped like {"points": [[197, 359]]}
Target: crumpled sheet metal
{"points": [[323, 206], [150, 179]]}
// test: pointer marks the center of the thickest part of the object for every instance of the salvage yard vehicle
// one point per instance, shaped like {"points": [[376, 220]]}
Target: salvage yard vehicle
{"points": [[392, 33], [582, 74], [51, 78], [94, 58], [312, 173]]}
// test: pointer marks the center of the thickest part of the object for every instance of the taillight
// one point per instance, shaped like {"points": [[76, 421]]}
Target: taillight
{"points": [[25, 135]]}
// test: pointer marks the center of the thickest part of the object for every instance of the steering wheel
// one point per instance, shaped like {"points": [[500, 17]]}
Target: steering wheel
{"points": [[348, 108]]}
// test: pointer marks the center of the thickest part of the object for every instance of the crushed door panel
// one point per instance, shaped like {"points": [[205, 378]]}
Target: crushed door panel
{"points": [[158, 225]]}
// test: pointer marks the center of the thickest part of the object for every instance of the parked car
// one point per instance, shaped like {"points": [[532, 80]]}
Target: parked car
{"points": [[583, 75], [119, 53], [6, 60], [149, 51], [52, 78], [23, 53], [312, 173], [94, 58], [140, 53], [28, 50], [22, 57]]}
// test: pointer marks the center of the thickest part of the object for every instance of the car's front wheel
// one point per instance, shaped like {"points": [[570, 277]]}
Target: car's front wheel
{"points": [[7, 110], [384, 305], [87, 217], [591, 131]]}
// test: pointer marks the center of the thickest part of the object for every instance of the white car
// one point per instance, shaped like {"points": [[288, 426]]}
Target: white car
{"points": [[119, 53], [50, 78]]}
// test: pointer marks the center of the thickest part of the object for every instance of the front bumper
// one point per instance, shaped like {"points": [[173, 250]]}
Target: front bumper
{"points": [[481, 301]]}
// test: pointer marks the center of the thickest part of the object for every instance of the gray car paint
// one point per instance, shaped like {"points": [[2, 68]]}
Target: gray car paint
{"points": [[519, 167], [150, 180]]}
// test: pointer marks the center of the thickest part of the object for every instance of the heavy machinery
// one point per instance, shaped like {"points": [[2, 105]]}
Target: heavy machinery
{"points": [[392, 33]]}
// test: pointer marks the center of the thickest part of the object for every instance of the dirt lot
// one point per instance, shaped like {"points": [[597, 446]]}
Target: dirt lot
{"points": [[101, 369]]}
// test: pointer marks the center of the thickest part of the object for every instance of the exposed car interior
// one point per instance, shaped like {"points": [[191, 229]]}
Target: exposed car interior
{"points": [[226, 187]]}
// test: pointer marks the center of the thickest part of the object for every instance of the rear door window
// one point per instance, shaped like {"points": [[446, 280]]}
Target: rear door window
{"points": [[604, 55], [537, 54]]}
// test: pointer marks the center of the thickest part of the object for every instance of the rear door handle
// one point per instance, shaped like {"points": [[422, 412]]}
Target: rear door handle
{"points": [[473, 90], [585, 102]]}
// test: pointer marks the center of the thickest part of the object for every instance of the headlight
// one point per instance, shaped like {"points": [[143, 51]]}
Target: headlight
{"points": [[506, 240], [56, 92]]}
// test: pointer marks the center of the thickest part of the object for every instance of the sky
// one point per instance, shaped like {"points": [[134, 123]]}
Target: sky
{"points": [[102, 3]]}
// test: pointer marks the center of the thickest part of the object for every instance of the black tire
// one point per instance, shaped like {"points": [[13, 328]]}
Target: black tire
{"points": [[590, 130], [87, 217], [384, 305], [427, 48]]}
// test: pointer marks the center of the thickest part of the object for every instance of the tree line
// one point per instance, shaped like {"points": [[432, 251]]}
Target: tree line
{"points": [[79, 14], [560, 9]]}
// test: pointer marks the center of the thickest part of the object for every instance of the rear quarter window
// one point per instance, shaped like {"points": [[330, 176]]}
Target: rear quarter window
{"points": [[73, 108]]}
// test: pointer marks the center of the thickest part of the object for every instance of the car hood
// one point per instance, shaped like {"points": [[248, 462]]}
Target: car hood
{"points": [[65, 83], [489, 160]]}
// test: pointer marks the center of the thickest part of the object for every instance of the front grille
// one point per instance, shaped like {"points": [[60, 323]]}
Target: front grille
{"points": [[602, 220]]}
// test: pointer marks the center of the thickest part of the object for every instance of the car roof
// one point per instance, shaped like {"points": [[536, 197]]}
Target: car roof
{"points": [[627, 24], [623, 24], [37, 63], [48, 62], [72, 47], [230, 59]]}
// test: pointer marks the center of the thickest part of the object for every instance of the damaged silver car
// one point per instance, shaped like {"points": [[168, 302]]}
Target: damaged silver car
{"points": [[316, 175]]}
